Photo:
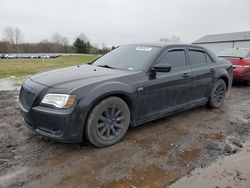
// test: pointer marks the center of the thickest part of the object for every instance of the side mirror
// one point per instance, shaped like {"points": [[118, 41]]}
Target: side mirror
{"points": [[162, 68]]}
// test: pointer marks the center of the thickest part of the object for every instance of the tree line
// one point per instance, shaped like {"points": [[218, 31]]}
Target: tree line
{"points": [[12, 42]]}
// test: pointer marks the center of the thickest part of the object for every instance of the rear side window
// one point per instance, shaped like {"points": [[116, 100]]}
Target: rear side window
{"points": [[175, 58], [197, 57]]}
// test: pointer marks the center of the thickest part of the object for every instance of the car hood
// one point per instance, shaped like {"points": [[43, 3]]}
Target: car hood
{"points": [[77, 76]]}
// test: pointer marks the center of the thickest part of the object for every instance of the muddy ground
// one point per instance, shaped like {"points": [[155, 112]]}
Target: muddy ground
{"points": [[155, 154]]}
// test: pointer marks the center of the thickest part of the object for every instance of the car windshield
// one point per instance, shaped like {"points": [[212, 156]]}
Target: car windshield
{"points": [[234, 52], [128, 57]]}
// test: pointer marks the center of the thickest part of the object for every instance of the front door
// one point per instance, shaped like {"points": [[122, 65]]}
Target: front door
{"points": [[168, 90]]}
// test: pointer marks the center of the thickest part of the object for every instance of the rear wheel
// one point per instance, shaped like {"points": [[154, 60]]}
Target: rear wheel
{"points": [[218, 94], [108, 122]]}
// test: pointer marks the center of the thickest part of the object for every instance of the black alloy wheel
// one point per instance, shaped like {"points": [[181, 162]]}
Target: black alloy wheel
{"points": [[218, 94], [108, 122]]}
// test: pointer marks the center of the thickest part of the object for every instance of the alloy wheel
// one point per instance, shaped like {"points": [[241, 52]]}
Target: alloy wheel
{"points": [[110, 123], [219, 93]]}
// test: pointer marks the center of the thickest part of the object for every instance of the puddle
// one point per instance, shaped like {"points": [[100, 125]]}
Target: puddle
{"points": [[150, 176], [231, 171], [11, 83]]}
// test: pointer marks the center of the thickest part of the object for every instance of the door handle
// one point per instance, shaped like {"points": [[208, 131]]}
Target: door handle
{"points": [[212, 69], [185, 75]]}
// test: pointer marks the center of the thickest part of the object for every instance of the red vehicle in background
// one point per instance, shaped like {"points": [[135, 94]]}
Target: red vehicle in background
{"points": [[240, 58]]}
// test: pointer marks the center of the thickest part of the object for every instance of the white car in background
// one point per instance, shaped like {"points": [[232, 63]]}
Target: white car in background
{"points": [[45, 57], [9, 56]]}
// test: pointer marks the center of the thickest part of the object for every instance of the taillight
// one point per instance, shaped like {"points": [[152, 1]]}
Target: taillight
{"points": [[244, 63]]}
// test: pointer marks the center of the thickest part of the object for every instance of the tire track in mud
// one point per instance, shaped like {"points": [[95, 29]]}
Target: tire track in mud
{"points": [[154, 154]]}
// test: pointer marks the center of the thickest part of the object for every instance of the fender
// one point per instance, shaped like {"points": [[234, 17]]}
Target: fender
{"points": [[221, 73], [101, 90]]}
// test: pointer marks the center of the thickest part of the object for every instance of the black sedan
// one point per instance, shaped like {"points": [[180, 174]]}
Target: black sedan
{"points": [[128, 86]]}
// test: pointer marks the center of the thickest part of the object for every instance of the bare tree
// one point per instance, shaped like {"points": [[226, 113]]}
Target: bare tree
{"points": [[176, 39], [61, 42], [65, 41], [44, 41], [57, 38], [105, 49], [4, 47], [14, 36], [173, 39], [83, 38]]}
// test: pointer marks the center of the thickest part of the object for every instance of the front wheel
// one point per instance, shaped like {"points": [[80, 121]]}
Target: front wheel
{"points": [[108, 122], [217, 94]]}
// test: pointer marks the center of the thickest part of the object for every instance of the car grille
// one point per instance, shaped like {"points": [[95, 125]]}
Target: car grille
{"points": [[26, 98]]}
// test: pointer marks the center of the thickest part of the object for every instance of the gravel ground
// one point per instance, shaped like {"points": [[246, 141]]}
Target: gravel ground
{"points": [[155, 154]]}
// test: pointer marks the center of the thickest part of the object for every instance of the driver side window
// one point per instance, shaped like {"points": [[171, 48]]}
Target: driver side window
{"points": [[175, 58]]}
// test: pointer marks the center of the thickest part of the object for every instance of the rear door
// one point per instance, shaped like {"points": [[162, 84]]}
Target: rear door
{"points": [[202, 66]]}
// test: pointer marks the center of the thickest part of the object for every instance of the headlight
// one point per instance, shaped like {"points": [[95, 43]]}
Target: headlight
{"points": [[59, 100]]}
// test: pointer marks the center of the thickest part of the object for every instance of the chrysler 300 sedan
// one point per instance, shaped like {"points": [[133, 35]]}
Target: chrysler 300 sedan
{"points": [[128, 86]]}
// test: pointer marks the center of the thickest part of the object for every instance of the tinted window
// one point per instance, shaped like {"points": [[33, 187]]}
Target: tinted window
{"points": [[197, 57], [175, 58], [209, 60]]}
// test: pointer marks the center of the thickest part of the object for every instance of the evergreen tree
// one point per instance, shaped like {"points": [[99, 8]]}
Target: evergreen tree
{"points": [[80, 46]]}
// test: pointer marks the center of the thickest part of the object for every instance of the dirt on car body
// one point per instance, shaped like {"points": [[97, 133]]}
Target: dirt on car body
{"points": [[155, 154]]}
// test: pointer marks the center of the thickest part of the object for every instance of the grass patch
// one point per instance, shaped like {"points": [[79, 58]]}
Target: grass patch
{"points": [[22, 67]]}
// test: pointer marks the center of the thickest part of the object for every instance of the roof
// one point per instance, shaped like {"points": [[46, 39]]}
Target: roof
{"points": [[224, 37], [160, 44]]}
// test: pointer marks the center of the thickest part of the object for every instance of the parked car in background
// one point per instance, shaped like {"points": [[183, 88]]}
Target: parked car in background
{"points": [[45, 56], [10, 56], [29, 56], [128, 86], [34, 56], [240, 58]]}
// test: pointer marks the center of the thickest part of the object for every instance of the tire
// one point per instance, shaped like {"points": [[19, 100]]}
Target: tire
{"points": [[217, 94], [108, 122]]}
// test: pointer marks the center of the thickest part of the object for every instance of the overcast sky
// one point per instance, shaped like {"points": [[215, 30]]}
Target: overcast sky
{"points": [[124, 21]]}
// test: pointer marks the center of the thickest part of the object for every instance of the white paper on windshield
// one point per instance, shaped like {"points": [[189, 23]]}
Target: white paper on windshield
{"points": [[146, 49]]}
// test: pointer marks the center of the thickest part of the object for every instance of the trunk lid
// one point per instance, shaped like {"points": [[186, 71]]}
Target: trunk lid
{"points": [[233, 60]]}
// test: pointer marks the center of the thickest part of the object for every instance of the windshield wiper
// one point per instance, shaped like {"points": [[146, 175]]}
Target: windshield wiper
{"points": [[106, 66]]}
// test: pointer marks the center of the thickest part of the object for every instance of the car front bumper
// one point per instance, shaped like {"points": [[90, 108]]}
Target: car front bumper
{"points": [[62, 125]]}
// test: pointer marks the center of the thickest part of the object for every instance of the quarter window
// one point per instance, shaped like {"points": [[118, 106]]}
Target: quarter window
{"points": [[197, 57], [175, 58], [209, 60]]}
